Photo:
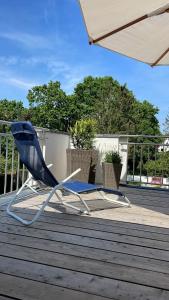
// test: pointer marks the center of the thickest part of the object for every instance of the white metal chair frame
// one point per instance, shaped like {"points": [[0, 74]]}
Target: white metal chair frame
{"points": [[60, 186], [52, 192]]}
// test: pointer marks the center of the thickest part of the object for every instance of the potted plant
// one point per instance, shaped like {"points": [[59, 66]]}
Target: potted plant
{"points": [[83, 155], [111, 169]]}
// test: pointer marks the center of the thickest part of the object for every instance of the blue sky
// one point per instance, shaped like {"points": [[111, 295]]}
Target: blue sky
{"points": [[43, 40]]}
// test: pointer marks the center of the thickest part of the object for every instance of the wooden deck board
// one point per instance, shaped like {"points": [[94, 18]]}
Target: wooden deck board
{"points": [[72, 226], [116, 253], [27, 289]]}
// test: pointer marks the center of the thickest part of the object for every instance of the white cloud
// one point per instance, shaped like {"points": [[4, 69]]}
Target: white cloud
{"points": [[67, 73], [11, 79], [26, 39], [20, 83], [8, 60], [72, 78], [56, 67]]}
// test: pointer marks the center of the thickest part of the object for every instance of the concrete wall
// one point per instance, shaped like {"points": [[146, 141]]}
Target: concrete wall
{"points": [[55, 153], [105, 144]]}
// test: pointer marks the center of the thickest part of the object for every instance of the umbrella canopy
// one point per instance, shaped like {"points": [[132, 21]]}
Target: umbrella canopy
{"points": [[135, 28]]}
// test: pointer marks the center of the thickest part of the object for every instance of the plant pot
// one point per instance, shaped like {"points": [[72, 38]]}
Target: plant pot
{"points": [[84, 159], [111, 175]]}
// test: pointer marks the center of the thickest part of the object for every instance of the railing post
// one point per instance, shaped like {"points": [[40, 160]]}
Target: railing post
{"points": [[123, 151]]}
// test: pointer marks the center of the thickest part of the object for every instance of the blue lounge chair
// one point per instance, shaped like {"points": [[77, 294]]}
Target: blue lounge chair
{"points": [[31, 156]]}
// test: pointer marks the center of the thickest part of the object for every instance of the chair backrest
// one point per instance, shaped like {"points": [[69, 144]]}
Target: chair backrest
{"points": [[30, 152]]}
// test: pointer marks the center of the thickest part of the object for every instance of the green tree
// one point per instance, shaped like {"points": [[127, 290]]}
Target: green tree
{"points": [[160, 166], [102, 98], [145, 118], [118, 111], [11, 110], [145, 123], [106, 100], [49, 106], [115, 107]]}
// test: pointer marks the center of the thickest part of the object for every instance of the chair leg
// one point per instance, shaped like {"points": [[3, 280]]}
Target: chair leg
{"points": [[9, 212], [23, 221], [87, 211], [26, 222], [125, 201]]}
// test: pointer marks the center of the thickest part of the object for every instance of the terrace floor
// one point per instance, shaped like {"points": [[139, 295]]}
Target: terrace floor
{"points": [[116, 253]]}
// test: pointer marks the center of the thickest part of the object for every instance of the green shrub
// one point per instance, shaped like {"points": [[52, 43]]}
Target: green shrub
{"points": [[158, 166], [83, 134], [9, 165], [112, 157]]}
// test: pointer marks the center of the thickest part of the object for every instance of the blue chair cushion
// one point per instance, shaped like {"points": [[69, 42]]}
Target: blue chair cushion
{"points": [[80, 187], [83, 187]]}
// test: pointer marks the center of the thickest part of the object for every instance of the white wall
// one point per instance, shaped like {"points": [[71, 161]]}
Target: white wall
{"points": [[55, 153], [104, 144]]}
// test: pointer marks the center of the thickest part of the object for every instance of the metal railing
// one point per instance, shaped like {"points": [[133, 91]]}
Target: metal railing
{"points": [[137, 151], [12, 172], [147, 160]]}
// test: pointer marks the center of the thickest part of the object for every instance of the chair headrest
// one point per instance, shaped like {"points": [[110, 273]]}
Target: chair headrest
{"points": [[22, 127]]}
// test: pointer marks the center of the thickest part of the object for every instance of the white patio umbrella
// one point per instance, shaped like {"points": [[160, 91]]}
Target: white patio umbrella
{"points": [[135, 28]]}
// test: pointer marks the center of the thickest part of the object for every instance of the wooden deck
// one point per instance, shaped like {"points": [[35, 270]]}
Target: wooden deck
{"points": [[116, 253]]}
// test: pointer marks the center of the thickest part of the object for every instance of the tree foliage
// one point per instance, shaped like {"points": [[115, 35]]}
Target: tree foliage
{"points": [[115, 107], [11, 110], [49, 106], [160, 166], [104, 99], [145, 120]]}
